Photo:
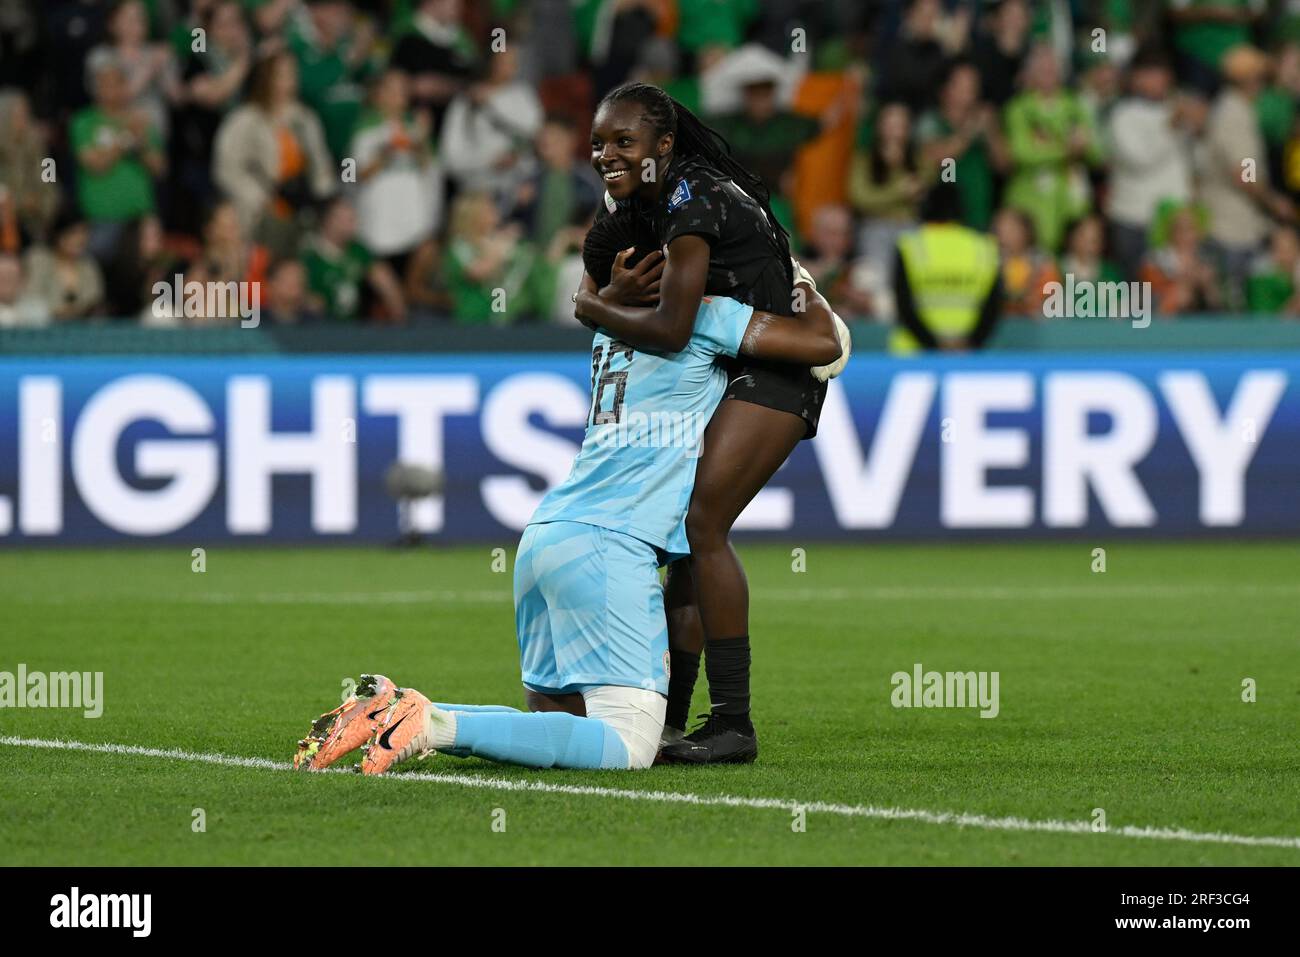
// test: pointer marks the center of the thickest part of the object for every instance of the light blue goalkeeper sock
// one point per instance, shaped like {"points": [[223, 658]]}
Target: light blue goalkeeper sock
{"points": [[542, 739], [477, 707]]}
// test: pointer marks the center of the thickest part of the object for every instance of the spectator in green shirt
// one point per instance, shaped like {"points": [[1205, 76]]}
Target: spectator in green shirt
{"points": [[437, 52], [1085, 256], [490, 270], [764, 137], [965, 130], [152, 78], [707, 23], [1276, 107], [1271, 287], [270, 16], [558, 191], [1204, 30], [658, 63], [118, 154], [1053, 142], [341, 273], [332, 47]]}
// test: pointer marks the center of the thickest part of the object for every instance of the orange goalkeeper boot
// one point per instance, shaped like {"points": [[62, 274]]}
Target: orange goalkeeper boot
{"points": [[403, 732], [347, 727]]}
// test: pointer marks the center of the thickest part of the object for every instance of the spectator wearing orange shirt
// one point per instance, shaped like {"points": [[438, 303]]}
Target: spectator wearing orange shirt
{"points": [[1182, 274], [270, 156]]}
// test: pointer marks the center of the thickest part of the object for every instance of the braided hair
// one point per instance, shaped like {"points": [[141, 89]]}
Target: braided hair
{"points": [[610, 236], [693, 138]]}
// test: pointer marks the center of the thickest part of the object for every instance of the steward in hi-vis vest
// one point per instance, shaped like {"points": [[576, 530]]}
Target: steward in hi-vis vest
{"points": [[947, 283]]}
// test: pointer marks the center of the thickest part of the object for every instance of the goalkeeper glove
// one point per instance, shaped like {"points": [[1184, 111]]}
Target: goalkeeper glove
{"points": [[822, 373]]}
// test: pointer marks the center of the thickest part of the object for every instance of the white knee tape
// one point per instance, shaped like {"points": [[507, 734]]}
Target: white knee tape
{"points": [[635, 714]]}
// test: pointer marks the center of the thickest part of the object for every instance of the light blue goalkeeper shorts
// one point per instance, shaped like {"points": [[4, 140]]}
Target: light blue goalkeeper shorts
{"points": [[589, 609]]}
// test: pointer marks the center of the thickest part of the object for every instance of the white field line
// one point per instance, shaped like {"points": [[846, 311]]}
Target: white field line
{"points": [[879, 593], [947, 818]]}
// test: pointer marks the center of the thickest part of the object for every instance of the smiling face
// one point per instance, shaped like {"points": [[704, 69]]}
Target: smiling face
{"points": [[621, 142]]}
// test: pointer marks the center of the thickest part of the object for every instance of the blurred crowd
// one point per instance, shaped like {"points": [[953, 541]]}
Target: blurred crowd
{"points": [[427, 160]]}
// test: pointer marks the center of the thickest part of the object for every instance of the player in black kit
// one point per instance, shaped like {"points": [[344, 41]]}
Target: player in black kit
{"points": [[718, 236]]}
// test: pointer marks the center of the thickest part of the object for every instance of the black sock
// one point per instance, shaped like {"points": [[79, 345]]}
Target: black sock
{"points": [[681, 685], [726, 663]]}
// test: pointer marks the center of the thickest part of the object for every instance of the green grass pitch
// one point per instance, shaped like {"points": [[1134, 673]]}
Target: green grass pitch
{"points": [[1119, 690]]}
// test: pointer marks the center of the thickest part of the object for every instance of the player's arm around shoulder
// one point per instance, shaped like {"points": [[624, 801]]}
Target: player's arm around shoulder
{"points": [[675, 284], [810, 337]]}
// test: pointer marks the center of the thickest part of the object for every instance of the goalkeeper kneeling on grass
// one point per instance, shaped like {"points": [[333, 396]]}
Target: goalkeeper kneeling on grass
{"points": [[589, 610]]}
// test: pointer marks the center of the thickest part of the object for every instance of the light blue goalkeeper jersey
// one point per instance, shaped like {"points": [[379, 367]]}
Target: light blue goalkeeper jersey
{"points": [[636, 469]]}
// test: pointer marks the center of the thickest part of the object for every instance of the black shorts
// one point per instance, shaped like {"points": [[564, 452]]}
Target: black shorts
{"points": [[780, 386]]}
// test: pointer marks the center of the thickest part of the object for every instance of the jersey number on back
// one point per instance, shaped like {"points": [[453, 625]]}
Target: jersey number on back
{"points": [[602, 379]]}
